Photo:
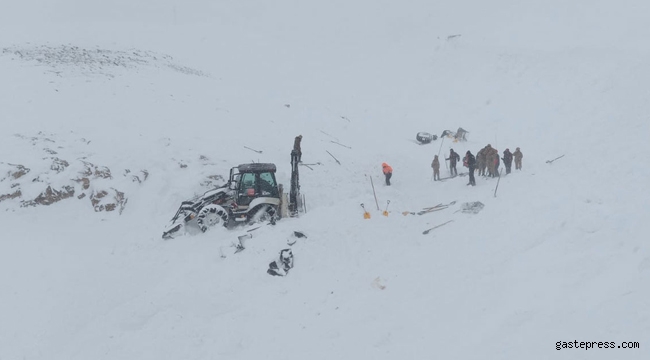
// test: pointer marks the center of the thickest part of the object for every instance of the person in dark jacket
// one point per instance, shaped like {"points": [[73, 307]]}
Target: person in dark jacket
{"points": [[296, 147], [507, 160], [453, 158], [470, 162]]}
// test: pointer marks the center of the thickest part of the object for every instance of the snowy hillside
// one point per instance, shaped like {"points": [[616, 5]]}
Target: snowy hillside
{"points": [[114, 113]]}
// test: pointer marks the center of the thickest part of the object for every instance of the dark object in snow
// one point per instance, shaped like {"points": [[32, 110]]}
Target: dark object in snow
{"points": [[472, 207], [551, 161], [257, 151], [337, 160], [281, 266], [294, 236], [240, 246], [497, 187], [436, 208], [338, 143], [435, 227], [429, 209], [425, 137]]}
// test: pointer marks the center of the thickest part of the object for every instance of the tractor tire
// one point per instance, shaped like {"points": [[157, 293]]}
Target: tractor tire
{"points": [[211, 215], [264, 213]]}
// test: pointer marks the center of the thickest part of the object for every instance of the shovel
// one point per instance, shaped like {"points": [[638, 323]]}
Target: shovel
{"points": [[366, 214], [435, 227], [385, 213]]}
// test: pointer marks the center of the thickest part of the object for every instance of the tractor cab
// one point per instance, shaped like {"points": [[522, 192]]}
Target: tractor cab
{"points": [[251, 181]]}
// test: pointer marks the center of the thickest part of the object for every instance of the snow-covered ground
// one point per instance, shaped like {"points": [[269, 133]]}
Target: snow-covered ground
{"points": [[155, 100]]}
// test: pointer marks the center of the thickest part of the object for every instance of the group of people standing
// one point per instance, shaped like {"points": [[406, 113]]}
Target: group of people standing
{"points": [[487, 161]]}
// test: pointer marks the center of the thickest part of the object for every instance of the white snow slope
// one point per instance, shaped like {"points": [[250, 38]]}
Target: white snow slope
{"points": [[178, 88]]}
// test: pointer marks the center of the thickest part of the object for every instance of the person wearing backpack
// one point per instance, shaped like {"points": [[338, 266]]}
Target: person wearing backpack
{"points": [[507, 160], [453, 158]]}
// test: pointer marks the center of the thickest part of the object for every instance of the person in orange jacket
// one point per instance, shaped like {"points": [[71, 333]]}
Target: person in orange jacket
{"points": [[388, 172]]}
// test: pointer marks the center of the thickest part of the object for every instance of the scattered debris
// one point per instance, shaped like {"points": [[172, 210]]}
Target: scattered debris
{"points": [[294, 237], [338, 143], [329, 135], [378, 283], [427, 210], [337, 160], [240, 242], [472, 207], [257, 151], [459, 135], [281, 266]]}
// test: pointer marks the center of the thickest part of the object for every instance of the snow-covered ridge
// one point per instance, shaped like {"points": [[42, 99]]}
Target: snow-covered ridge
{"points": [[70, 60]]}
